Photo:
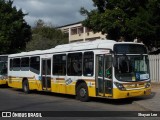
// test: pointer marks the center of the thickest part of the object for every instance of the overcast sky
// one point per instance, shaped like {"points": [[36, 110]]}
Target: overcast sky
{"points": [[57, 12]]}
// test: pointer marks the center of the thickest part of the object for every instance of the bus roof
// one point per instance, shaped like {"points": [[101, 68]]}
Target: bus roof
{"points": [[106, 44]]}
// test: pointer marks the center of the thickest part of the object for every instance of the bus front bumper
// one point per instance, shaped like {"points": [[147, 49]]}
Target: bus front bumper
{"points": [[118, 94]]}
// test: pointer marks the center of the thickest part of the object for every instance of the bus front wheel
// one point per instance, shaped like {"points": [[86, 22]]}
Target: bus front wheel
{"points": [[25, 86], [82, 92]]}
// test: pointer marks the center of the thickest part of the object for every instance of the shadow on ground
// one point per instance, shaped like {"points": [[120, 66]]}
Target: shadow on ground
{"points": [[99, 100], [4, 86]]}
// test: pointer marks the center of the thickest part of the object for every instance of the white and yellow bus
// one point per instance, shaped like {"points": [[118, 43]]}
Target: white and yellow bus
{"points": [[100, 68], [3, 69]]}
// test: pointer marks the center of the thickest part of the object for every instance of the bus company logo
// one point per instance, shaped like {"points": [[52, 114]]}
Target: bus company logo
{"points": [[6, 114], [68, 81], [23, 114]]}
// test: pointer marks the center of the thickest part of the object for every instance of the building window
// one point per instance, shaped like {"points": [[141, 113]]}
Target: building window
{"points": [[74, 64], [59, 64], [80, 30], [73, 31], [88, 30]]}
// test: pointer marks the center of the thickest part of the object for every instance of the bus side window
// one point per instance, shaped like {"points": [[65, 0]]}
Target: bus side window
{"points": [[25, 64], [16, 64], [35, 64], [11, 64], [88, 63], [59, 64], [4, 68], [74, 64]]}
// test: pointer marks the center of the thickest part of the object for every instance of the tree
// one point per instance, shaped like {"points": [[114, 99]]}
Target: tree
{"points": [[45, 37], [127, 18], [14, 31]]}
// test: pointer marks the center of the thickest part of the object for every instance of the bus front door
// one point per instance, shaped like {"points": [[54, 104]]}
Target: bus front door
{"points": [[104, 85], [46, 74]]}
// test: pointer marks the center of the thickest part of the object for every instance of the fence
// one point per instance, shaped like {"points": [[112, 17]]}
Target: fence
{"points": [[154, 61]]}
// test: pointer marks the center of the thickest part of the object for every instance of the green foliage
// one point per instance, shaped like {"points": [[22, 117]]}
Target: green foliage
{"points": [[45, 37], [127, 18], [14, 31]]}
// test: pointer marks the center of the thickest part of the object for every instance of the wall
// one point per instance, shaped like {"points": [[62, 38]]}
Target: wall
{"points": [[154, 61]]}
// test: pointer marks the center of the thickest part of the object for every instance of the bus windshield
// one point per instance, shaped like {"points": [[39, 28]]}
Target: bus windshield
{"points": [[131, 67]]}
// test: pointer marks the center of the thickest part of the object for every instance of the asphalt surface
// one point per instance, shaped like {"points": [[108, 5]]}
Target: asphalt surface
{"points": [[150, 103], [15, 100]]}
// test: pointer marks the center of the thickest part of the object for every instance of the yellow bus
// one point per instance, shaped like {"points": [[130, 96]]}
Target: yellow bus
{"points": [[100, 68], [3, 69]]}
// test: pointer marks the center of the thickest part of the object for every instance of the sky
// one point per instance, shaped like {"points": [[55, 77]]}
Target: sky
{"points": [[56, 12]]}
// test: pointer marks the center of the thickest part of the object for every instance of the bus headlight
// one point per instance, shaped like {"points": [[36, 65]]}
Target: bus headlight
{"points": [[147, 84], [119, 86]]}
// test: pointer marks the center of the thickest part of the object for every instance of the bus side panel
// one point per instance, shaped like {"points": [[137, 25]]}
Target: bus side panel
{"points": [[58, 86], [91, 89], [61, 87], [38, 85], [3, 82], [70, 89], [35, 85], [15, 82], [54, 87]]}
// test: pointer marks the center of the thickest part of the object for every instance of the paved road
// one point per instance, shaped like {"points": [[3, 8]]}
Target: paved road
{"points": [[16, 100]]}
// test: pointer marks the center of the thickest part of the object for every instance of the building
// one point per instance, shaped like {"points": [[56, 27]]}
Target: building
{"points": [[77, 32]]}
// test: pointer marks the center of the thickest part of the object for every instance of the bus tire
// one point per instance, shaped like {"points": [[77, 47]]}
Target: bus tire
{"points": [[25, 86], [82, 92]]}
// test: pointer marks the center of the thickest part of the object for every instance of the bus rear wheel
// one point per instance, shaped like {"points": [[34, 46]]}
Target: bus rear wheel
{"points": [[25, 86], [82, 92]]}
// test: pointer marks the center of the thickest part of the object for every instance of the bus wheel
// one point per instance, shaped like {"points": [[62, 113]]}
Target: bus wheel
{"points": [[25, 86], [82, 92]]}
